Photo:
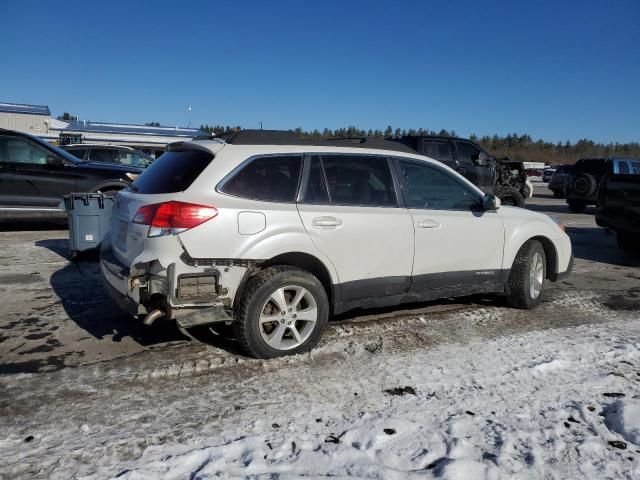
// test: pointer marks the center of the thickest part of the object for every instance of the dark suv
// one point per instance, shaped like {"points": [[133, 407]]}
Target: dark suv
{"points": [[503, 177], [619, 203], [109, 154], [34, 176], [583, 181]]}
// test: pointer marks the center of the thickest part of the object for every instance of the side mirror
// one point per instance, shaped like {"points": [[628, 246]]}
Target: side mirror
{"points": [[481, 159], [490, 202]]}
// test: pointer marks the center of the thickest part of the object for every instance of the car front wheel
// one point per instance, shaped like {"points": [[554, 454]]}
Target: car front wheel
{"points": [[527, 276], [282, 311]]}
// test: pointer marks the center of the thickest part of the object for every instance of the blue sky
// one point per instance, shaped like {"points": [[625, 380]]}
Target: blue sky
{"points": [[554, 69]]}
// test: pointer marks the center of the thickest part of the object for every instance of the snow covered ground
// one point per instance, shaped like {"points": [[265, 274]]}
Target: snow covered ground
{"points": [[396, 399]]}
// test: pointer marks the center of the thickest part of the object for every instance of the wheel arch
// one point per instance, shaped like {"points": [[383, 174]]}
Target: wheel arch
{"points": [[309, 263], [550, 253]]}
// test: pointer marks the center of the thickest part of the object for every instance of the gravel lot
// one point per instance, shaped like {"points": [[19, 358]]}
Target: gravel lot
{"points": [[54, 313], [58, 327]]}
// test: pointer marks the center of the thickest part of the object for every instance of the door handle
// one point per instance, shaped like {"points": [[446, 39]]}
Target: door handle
{"points": [[326, 222], [428, 223]]}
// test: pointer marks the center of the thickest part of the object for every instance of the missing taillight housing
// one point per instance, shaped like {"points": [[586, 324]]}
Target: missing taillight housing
{"points": [[173, 217]]}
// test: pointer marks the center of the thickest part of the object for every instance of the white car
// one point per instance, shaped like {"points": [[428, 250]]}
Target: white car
{"points": [[274, 235]]}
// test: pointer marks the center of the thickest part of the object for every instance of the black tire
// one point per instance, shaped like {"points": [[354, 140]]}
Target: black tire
{"points": [[256, 296], [577, 207], [584, 184], [510, 196], [520, 279], [629, 243]]}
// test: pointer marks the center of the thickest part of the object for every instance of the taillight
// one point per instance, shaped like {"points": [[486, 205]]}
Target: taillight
{"points": [[173, 217]]}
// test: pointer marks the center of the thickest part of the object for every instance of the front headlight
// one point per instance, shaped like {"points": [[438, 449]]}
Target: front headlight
{"points": [[559, 223], [132, 176]]}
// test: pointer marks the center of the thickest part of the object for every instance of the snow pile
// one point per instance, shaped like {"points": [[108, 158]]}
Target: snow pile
{"points": [[548, 403], [623, 417]]}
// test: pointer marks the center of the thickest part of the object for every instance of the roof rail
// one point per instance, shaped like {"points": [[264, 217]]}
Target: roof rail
{"points": [[289, 137]]}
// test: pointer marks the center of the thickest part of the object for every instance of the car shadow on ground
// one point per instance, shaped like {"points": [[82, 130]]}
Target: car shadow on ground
{"points": [[16, 225], [83, 296], [557, 209], [596, 245]]}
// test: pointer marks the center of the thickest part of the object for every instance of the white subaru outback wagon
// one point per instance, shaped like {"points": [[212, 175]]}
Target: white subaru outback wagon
{"points": [[275, 234]]}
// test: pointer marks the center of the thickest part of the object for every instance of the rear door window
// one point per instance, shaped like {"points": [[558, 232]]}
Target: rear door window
{"points": [[438, 150], [268, 178], [354, 180], [172, 172]]}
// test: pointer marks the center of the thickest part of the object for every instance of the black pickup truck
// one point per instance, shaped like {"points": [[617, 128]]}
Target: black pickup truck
{"points": [[618, 206]]}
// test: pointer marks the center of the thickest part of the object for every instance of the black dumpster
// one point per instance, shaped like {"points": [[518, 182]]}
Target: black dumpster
{"points": [[89, 220]]}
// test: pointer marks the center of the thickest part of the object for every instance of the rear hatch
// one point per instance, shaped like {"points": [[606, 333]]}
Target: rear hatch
{"points": [[163, 181]]}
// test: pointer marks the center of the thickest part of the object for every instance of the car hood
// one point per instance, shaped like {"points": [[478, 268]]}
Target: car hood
{"points": [[109, 167]]}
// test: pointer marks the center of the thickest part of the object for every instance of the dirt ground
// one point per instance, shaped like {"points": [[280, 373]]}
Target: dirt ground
{"points": [[54, 313], [81, 381]]}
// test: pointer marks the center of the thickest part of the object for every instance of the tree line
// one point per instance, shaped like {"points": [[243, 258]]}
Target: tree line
{"points": [[516, 146]]}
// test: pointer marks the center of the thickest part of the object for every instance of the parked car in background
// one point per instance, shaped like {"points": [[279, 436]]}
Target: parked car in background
{"points": [[547, 174], [583, 180], [109, 154], [559, 179], [34, 176], [503, 177], [619, 203], [276, 232]]}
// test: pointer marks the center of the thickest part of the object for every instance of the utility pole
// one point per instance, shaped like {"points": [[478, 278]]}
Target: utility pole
{"points": [[260, 124], [189, 116]]}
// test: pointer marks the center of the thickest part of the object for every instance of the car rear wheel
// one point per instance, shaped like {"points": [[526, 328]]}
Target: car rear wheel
{"points": [[527, 276], [282, 311]]}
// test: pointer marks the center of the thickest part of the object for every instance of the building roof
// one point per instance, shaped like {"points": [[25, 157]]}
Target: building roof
{"points": [[124, 128], [24, 108]]}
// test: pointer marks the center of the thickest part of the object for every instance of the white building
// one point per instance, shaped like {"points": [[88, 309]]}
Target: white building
{"points": [[37, 120]]}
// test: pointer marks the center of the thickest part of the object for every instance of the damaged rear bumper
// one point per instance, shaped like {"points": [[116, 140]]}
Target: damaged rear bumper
{"points": [[191, 295]]}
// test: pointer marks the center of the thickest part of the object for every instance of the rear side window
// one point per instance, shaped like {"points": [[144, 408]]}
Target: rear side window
{"points": [[438, 150], [627, 167], [172, 172], [272, 179], [101, 155], [358, 180]]}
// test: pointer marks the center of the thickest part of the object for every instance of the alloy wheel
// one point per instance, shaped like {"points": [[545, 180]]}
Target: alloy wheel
{"points": [[288, 317], [536, 275]]}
